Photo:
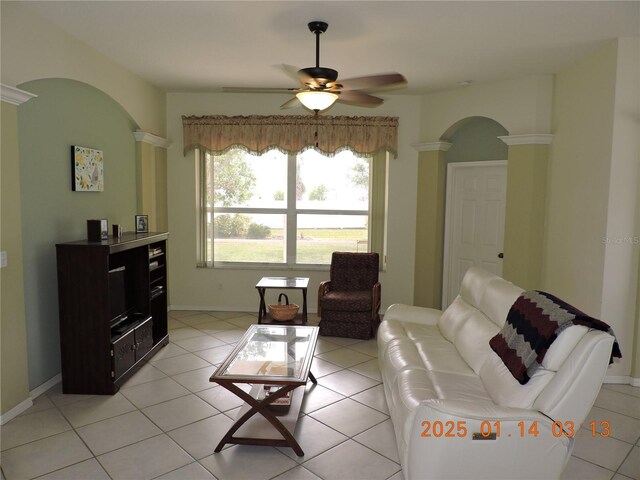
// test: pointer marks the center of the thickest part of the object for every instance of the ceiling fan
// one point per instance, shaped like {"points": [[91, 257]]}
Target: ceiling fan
{"points": [[319, 86]]}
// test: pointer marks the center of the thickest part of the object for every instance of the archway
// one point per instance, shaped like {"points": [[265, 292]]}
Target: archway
{"points": [[473, 138], [475, 201]]}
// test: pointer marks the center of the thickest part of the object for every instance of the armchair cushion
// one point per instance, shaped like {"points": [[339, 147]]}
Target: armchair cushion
{"points": [[351, 301]]}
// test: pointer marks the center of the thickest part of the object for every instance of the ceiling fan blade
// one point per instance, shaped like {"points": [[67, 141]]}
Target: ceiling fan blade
{"points": [[258, 90], [359, 98], [294, 102], [299, 75], [373, 81]]}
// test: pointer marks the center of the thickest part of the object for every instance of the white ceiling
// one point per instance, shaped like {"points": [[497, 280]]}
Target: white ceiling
{"points": [[184, 46]]}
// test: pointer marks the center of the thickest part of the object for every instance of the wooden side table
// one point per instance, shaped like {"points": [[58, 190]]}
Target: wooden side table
{"points": [[282, 283]]}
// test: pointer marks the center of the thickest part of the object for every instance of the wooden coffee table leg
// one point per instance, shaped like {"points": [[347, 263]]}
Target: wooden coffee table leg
{"points": [[313, 379], [259, 407]]}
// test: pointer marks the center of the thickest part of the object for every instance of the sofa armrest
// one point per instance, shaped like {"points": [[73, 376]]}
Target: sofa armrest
{"points": [[412, 314], [440, 434]]}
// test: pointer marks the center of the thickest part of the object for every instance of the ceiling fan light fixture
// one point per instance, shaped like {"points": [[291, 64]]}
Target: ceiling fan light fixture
{"points": [[317, 100]]}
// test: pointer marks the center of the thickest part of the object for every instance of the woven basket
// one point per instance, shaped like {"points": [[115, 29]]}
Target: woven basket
{"points": [[283, 313]]}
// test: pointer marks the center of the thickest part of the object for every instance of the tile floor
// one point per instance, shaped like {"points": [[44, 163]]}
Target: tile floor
{"points": [[167, 419]]}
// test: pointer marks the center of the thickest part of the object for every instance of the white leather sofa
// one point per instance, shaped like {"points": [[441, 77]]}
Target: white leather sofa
{"points": [[437, 367]]}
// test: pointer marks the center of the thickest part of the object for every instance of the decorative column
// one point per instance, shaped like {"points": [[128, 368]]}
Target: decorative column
{"points": [[525, 208], [432, 169], [14, 370], [151, 170]]}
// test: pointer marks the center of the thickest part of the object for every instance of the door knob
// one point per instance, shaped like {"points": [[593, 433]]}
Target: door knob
{"points": [[501, 255]]}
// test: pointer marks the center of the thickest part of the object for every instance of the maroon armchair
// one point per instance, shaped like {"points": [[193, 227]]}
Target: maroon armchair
{"points": [[349, 302]]}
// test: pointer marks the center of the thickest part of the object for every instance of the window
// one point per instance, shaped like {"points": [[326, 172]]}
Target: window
{"points": [[287, 209]]}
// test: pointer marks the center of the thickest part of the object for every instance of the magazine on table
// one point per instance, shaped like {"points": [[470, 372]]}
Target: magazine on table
{"points": [[270, 390]]}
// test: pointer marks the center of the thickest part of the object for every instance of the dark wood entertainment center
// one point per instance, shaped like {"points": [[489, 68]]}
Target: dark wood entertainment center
{"points": [[101, 351]]}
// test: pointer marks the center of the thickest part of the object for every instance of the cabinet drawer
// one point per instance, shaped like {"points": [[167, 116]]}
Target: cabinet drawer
{"points": [[130, 348], [144, 338], [124, 354]]}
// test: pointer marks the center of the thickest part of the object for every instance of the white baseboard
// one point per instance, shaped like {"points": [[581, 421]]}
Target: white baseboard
{"points": [[26, 404], [209, 308], [15, 411], [36, 392], [622, 379]]}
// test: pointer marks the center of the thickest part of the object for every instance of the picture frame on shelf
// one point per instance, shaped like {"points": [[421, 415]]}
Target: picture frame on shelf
{"points": [[142, 223], [97, 230]]}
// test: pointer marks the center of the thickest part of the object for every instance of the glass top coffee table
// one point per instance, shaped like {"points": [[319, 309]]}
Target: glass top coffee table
{"points": [[279, 356]]}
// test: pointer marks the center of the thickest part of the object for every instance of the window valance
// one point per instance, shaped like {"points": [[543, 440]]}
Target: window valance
{"points": [[291, 133]]}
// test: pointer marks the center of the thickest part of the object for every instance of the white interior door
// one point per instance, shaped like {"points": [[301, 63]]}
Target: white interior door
{"points": [[474, 221]]}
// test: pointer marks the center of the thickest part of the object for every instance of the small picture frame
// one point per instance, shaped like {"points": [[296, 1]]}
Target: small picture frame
{"points": [[142, 223], [97, 230]]}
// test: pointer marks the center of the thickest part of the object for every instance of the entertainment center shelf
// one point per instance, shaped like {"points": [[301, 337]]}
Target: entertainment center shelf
{"points": [[112, 299]]}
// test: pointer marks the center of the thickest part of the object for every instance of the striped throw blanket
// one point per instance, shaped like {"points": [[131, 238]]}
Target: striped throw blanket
{"points": [[534, 321]]}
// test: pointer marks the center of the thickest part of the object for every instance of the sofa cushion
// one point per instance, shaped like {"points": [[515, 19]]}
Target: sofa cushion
{"points": [[454, 317], [505, 390], [418, 332], [450, 386], [389, 330], [489, 293], [439, 355], [413, 314], [351, 301], [498, 298], [401, 354], [473, 338]]}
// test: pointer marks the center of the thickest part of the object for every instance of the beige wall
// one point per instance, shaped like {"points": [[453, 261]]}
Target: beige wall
{"points": [[13, 347], [592, 198], [33, 48], [151, 168], [235, 288], [160, 174], [146, 187], [525, 215], [522, 106], [579, 180], [432, 171]]}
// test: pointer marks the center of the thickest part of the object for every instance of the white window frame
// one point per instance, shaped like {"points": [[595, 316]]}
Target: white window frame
{"points": [[291, 211]]}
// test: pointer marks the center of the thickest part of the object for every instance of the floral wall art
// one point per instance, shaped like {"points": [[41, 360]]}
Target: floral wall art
{"points": [[88, 169]]}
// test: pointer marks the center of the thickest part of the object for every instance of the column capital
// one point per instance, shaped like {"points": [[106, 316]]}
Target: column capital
{"points": [[432, 146], [528, 139], [14, 95], [151, 139]]}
